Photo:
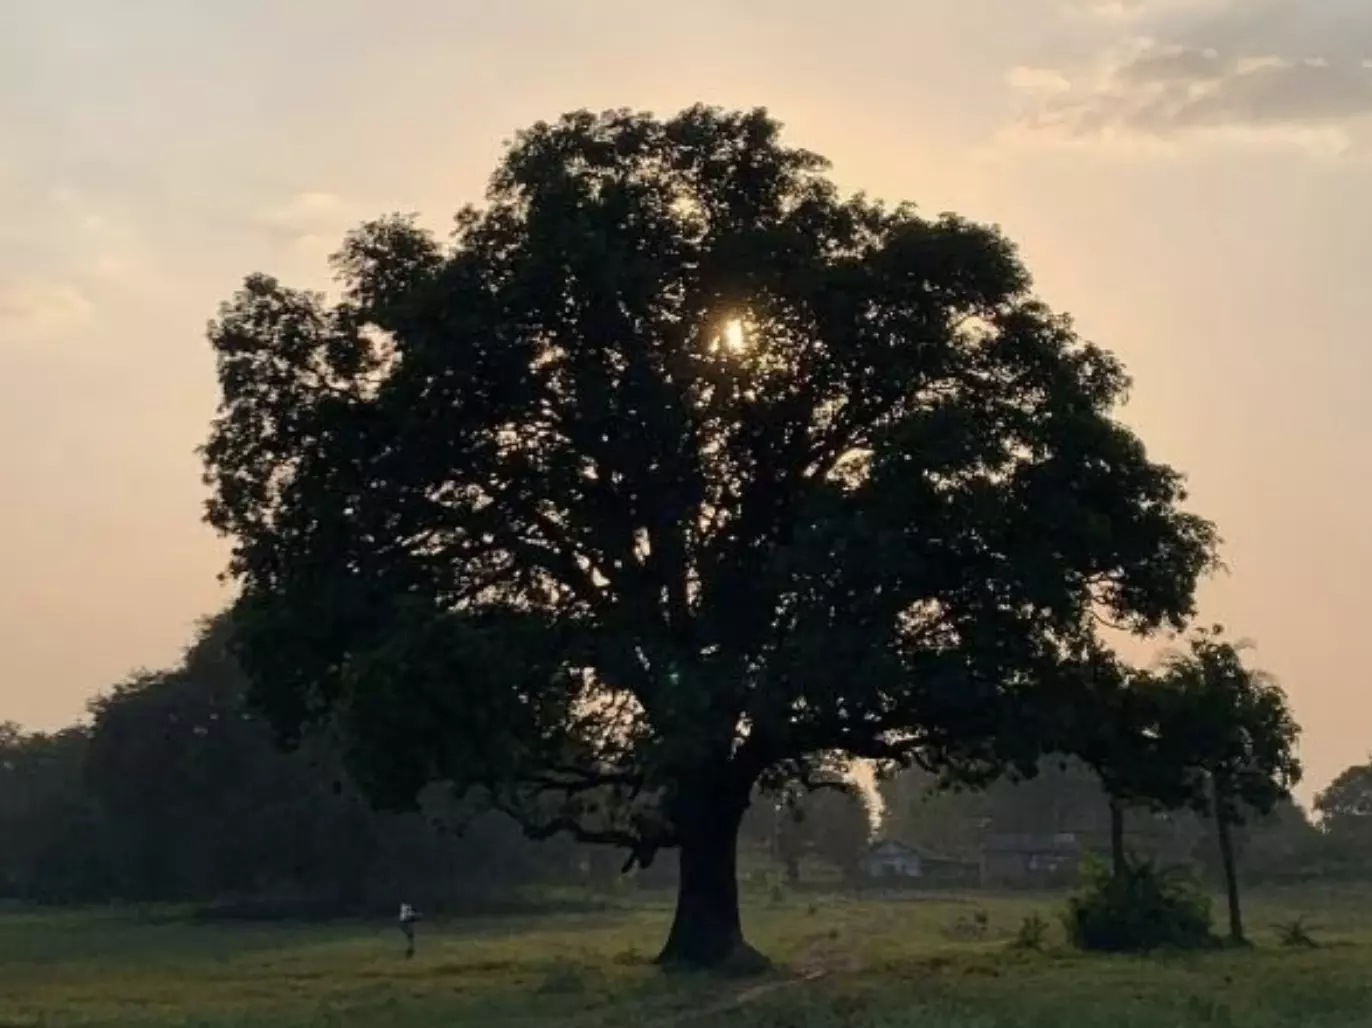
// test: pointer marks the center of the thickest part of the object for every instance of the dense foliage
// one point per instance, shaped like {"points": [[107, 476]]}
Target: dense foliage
{"points": [[675, 471], [1230, 728], [1137, 909], [174, 791]]}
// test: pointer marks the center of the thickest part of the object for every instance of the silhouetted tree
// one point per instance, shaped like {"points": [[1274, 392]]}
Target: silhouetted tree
{"points": [[673, 472], [51, 840], [1232, 725], [832, 824], [919, 811], [1345, 809], [195, 802], [1113, 724]]}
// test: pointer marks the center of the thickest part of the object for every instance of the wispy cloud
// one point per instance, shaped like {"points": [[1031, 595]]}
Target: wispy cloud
{"points": [[35, 311], [1276, 70], [310, 222], [305, 213]]}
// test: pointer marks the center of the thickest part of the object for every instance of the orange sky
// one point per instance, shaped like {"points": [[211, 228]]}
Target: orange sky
{"points": [[1189, 178]]}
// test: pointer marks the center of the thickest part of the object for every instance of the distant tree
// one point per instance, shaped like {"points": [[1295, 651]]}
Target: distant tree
{"points": [[51, 836], [674, 472], [1345, 806], [841, 828], [199, 802], [195, 802], [1062, 795], [831, 824], [919, 811], [1279, 846], [1344, 810], [1230, 724]]}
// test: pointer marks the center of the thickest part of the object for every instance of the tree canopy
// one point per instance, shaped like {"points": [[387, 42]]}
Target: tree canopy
{"points": [[173, 791], [1232, 723], [1230, 728], [1345, 805], [675, 470]]}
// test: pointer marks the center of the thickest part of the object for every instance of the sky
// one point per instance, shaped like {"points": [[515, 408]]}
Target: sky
{"points": [[1190, 179]]}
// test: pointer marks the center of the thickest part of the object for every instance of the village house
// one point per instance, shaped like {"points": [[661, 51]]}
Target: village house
{"points": [[1026, 860], [888, 859], [891, 862]]}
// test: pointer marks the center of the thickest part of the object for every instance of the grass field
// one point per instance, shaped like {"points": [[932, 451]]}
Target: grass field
{"points": [[907, 962]]}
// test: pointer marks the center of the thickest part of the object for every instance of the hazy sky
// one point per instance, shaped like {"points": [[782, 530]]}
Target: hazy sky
{"points": [[1191, 178]]}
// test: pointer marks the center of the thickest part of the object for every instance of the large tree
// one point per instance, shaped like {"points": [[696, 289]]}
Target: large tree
{"points": [[671, 472]]}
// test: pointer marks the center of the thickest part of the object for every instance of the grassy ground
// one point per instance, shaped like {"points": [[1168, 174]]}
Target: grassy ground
{"points": [[908, 962]]}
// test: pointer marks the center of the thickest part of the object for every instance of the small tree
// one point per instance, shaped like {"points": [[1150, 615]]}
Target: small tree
{"points": [[673, 472], [1231, 726], [1114, 726]]}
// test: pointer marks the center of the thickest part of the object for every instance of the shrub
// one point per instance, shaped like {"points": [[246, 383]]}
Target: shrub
{"points": [[1141, 910], [974, 927], [1032, 934], [1295, 935]]}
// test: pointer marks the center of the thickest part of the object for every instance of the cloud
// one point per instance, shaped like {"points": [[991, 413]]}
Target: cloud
{"points": [[66, 252], [35, 310], [306, 213], [1039, 81], [1278, 70], [1127, 10], [308, 225]]}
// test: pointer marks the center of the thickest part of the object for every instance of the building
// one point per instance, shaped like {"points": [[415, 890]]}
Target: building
{"points": [[1027, 860], [888, 859], [889, 862]]}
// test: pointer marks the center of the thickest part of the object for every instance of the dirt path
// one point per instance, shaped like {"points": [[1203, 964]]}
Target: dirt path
{"points": [[822, 957]]}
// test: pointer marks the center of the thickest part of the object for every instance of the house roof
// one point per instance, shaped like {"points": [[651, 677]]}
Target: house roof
{"points": [[893, 848], [1063, 842], [889, 847]]}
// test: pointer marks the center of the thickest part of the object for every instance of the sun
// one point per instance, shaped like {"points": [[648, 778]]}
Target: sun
{"points": [[734, 337]]}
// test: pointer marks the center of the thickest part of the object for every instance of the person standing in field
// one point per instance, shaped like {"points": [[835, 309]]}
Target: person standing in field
{"points": [[408, 917]]}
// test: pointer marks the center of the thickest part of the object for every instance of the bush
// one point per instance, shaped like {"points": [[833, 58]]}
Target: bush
{"points": [[1032, 934], [1141, 910], [1296, 935]]}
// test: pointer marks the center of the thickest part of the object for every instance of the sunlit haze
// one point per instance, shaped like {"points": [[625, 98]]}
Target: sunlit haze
{"points": [[734, 337], [1205, 215]]}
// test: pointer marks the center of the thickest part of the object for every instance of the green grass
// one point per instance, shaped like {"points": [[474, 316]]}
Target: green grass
{"points": [[911, 962]]}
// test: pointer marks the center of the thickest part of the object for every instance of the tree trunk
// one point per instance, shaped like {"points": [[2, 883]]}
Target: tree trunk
{"points": [[1231, 876], [1118, 861], [707, 930]]}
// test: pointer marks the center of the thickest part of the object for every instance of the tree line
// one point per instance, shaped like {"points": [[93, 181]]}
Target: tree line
{"points": [[174, 790]]}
